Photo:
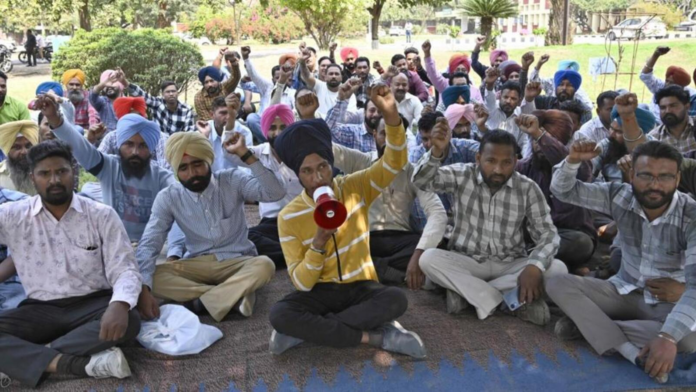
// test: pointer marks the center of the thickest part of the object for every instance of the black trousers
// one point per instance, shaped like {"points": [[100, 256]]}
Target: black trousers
{"points": [[265, 238], [70, 325], [335, 315], [392, 248], [31, 55]]}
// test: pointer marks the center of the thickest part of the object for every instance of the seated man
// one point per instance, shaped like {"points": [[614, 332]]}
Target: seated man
{"points": [[11, 290], [486, 253], [16, 138], [77, 265], [220, 267], [635, 312], [567, 84], [339, 303], [395, 247], [550, 131], [678, 129]]}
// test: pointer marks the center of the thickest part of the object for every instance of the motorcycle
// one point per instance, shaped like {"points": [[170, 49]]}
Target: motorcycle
{"points": [[5, 60], [48, 54]]}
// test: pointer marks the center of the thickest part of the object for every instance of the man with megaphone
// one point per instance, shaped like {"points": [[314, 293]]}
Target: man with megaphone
{"points": [[325, 237]]}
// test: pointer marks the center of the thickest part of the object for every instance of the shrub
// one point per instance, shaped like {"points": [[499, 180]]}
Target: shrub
{"points": [[417, 29], [146, 56], [386, 40], [454, 31], [541, 31], [273, 24], [442, 29]]}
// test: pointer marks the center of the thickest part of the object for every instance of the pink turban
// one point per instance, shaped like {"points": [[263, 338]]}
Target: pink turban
{"points": [[269, 115], [348, 50], [497, 53], [455, 112], [106, 75]]}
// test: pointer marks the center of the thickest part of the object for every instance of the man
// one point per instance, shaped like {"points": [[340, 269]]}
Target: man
{"points": [[413, 63], [409, 105], [11, 291], [41, 44], [11, 109], [598, 128], [395, 247], [575, 109], [311, 65], [548, 84], [503, 113], [220, 268], [646, 311], [78, 269], [362, 71], [486, 253], [458, 72], [30, 48], [16, 138], [213, 87], [45, 134], [459, 94], [497, 56], [265, 87], [111, 84], [551, 130], [677, 127], [415, 83], [74, 82], [222, 126], [338, 302], [567, 82], [324, 62], [282, 92], [326, 91], [348, 55], [171, 114], [675, 76], [461, 118], [409, 29]]}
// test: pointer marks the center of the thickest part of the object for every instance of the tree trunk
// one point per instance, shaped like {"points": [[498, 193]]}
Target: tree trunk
{"points": [[162, 22], [376, 13], [85, 18], [555, 34], [486, 28]]}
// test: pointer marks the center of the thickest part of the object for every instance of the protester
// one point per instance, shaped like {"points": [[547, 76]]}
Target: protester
{"points": [[567, 83], [675, 76], [11, 109], [409, 105], [677, 129], [598, 128], [413, 63], [459, 94], [16, 138], [461, 118], [327, 91], [548, 84], [458, 68], [265, 87], [213, 87], [497, 56], [55, 90], [349, 55], [171, 114], [415, 83], [362, 71], [74, 82], [503, 113], [282, 92], [111, 84], [11, 291]]}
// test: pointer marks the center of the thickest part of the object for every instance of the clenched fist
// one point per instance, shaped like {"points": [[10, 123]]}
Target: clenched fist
{"points": [[583, 150]]}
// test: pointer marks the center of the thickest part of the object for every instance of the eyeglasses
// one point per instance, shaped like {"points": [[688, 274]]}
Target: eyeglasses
{"points": [[662, 178]]}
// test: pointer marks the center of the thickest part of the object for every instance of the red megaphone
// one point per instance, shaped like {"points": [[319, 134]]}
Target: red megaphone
{"points": [[329, 213]]}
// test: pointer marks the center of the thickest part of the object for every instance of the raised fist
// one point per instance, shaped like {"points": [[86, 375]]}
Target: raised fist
{"points": [[233, 102], [626, 105], [481, 39], [662, 50], [527, 60], [245, 52], [583, 150], [528, 123], [532, 91], [333, 46]]}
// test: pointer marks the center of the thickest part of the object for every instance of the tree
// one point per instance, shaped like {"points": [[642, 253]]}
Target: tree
{"points": [[273, 23], [489, 10], [555, 34], [377, 6], [581, 8]]}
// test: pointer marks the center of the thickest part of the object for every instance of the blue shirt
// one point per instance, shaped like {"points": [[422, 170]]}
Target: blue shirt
{"points": [[105, 108]]}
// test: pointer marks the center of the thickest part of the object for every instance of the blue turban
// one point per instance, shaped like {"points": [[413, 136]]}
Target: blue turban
{"points": [[451, 93], [45, 86], [210, 71], [645, 118], [132, 124], [572, 76], [569, 64], [301, 139]]}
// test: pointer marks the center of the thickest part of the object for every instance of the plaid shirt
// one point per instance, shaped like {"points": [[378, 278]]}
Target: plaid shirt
{"points": [[170, 122], [663, 248], [361, 95], [109, 146], [353, 136], [490, 227], [685, 144], [85, 114], [203, 102]]}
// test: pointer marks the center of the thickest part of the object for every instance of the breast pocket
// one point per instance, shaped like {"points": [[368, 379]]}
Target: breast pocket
{"points": [[669, 259]]}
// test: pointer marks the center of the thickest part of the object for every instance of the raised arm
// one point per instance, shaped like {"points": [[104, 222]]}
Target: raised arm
{"points": [[150, 101], [479, 68], [229, 85], [439, 81], [626, 105], [652, 82], [263, 184], [263, 84], [305, 74], [428, 175]]}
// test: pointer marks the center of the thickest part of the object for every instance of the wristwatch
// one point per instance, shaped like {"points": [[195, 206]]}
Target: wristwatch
{"points": [[246, 156]]}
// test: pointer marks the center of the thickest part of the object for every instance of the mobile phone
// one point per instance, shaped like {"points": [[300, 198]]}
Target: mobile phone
{"points": [[512, 299]]}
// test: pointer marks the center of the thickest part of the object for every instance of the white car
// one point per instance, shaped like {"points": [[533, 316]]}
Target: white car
{"points": [[642, 27], [202, 41], [396, 31], [689, 24], [8, 44]]}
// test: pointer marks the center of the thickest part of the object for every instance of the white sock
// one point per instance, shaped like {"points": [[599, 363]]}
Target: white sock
{"points": [[629, 351]]}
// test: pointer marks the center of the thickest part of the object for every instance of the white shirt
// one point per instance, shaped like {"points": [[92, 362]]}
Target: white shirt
{"points": [[88, 250], [220, 163], [410, 107], [592, 130], [327, 98], [497, 119]]}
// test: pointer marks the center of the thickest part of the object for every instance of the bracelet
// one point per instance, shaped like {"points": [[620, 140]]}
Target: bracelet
{"points": [[540, 136], [313, 249], [633, 140], [664, 336], [246, 156]]}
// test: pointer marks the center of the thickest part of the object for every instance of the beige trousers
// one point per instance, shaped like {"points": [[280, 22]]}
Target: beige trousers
{"points": [[481, 284], [218, 284]]}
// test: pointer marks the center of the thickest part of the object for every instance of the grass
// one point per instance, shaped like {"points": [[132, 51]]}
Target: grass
{"points": [[23, 81]]}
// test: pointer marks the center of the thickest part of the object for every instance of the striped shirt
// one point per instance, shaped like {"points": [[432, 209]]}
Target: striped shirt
{"points": [[490, 227], [663, 248], [685, 144]]}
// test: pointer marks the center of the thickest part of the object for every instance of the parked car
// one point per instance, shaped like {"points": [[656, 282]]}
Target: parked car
{"points": [[396, 31], [8, 44], [202, 41], [642, 27], [689, 24]]}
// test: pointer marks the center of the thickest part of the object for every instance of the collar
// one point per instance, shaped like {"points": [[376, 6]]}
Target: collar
{"points": [[207, 193], [37, 205], [407, 98], [266, 148], [688, 130], [4, 167], [510, 182], [636, 207]]}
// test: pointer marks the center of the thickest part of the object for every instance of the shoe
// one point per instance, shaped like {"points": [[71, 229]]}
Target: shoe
{"points": [[565, 329], [455, 302], [109, 363], [397, 339], [640, 362], [536, 313], [280, 343], [5, 380], [246, 305], [195, 306]]}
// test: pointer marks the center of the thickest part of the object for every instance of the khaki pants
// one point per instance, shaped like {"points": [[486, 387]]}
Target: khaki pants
{"points": [[608, 319], [481, 284], [218, 284]]}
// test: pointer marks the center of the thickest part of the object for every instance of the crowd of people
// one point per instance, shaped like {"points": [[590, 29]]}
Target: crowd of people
{"points": [[493, 192]]}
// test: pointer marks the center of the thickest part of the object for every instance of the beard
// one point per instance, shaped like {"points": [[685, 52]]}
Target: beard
{"points": [[615, 152], [76, 96], [19, 172], [112, 92], [56, 195], [349, 66], [372, 123], [2, 97], [212, 90], [671, 120], [333, 83], [562, 97], [494, 181], [507, 109], [642, 197], [199, 183], [135, 166]]}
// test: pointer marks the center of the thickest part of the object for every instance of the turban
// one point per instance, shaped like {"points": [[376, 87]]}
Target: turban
{"points": [[304, 138], [451, 93], [557, 123], [288, 57], [71, 74], [572, 76], [270, 113], [9, 132], [457, 60], [124, 105], [645, 118], [512, 68], [106, 75], [46, 86], [497, 53], [188, 143], [679, 75], [133, 124], [455, 112], [211, 71], [569, 64], [348, 50]]}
